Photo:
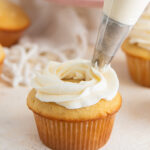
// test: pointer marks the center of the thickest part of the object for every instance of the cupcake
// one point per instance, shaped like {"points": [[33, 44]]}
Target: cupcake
{"points": [[137, 50], [2, 56], [74, 105], [13, 21]]}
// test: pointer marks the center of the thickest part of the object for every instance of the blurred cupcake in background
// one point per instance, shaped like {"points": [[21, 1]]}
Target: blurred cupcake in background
{"points": [[137, 50], [13, 21], [2, 56]]}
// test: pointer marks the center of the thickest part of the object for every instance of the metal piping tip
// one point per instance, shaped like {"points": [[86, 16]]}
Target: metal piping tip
{"points": [[100, 60], [110, 37]]}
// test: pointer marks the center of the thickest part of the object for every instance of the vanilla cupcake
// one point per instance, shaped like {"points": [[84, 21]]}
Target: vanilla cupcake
{"points": [[2, 56], [137, 50], [74, 105], [13, 21]]}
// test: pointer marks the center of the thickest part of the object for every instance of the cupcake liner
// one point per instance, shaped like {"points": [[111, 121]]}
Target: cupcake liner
{"points": [[1, 67], [9, 38], [74, 135], [139, 70]]}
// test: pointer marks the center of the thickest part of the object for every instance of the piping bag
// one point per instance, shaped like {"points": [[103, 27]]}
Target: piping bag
{"points": [[118, 17]]}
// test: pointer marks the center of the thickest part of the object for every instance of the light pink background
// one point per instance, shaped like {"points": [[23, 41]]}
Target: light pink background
{"points": [[86, 3]]}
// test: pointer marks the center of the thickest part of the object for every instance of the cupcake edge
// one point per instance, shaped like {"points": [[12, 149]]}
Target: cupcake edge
{"points": [[139, 70]]}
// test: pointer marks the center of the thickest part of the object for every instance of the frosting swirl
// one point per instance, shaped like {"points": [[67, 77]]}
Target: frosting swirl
{"points": [[141, 31], [75, 84]]}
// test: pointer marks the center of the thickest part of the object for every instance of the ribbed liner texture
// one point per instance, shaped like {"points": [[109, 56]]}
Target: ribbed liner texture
{"points": [[9, 38], [0, 68], [1, 65], [139, 70], [67, 135]]}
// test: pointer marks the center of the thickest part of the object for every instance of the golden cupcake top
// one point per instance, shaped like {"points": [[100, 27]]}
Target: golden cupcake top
{"points": [[12, 17], [135, 50], [52, 110]]}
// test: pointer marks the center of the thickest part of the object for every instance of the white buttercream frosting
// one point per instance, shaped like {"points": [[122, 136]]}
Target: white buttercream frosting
{"points": [[141, 31], [75, 84]]}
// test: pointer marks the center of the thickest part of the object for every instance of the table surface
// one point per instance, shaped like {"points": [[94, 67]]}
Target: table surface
{"points": [[131, 130]]}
